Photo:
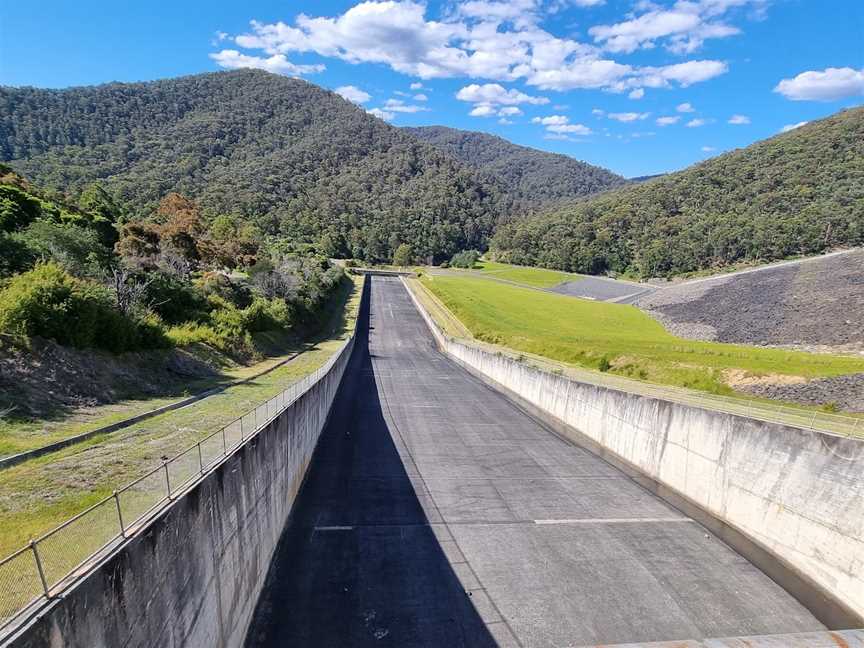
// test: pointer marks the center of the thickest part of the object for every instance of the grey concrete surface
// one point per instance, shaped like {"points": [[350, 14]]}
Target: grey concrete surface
{"points": [[438, 513], [602, 289], [190, 577], [790, 499]]}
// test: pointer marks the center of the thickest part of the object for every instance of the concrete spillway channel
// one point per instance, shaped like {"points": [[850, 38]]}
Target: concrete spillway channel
{"points": [[436, 512]]}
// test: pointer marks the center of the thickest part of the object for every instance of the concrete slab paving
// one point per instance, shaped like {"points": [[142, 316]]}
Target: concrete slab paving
{"points": [[438, 513]]}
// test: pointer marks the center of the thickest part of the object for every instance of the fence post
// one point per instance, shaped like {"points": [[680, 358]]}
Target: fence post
{"points": [[855, 428], [812, 420], [119, 514], [224, 444], [200, 458], [242, 436], [39, 569], [167, 478]]}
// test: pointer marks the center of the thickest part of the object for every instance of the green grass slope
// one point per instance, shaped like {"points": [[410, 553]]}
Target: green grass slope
{"points": [[801, 192], [592, 334]]}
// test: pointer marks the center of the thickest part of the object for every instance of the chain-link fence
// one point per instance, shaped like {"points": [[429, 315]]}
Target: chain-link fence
{"points": [[40, 569]]}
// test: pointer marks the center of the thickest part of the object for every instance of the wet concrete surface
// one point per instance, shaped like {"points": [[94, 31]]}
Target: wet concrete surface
{"points": [[438, 513]]}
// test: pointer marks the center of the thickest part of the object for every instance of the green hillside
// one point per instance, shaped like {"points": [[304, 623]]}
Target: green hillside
{"points": [[531, 178], [290, 157], [801, 192]]}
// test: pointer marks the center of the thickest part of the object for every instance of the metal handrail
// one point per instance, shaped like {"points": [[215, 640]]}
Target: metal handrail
{"points": [[263, 414]]}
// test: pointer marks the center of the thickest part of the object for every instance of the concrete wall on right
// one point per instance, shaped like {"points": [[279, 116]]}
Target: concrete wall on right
{"points": [[791, 500]]}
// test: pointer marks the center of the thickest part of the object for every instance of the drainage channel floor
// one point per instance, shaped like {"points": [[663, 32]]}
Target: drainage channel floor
{"points": [[437, 513]]}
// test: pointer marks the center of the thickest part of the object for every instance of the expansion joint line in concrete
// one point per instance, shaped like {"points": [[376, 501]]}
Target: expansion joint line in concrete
{"points": [[388, 415]]}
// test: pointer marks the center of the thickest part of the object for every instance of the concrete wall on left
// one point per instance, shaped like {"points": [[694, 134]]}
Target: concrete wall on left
{"points": [[192, 577]]}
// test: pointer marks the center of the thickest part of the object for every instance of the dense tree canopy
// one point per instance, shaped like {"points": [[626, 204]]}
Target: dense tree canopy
{"points": [[800, 192], [292, 158], [530, 178]]}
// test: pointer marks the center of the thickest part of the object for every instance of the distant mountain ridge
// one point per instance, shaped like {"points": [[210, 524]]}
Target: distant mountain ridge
{"points": [[295, 158], [800, 192], [533, 178]]}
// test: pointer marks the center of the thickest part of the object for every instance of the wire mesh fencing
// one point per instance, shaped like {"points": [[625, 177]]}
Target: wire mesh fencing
{"points": [[40, 569]]}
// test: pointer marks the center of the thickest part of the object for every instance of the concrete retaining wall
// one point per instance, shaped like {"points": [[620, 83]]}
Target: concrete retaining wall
{"points": [[192, 577], [791, 500]]}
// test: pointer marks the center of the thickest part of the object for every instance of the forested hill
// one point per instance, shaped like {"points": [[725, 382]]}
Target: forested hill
{"points": [[293, 158], [532, 178], [800, 192]]}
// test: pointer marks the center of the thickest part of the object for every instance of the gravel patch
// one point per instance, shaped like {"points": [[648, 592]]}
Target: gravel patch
{"points": [[814, 304], [847, 392]]}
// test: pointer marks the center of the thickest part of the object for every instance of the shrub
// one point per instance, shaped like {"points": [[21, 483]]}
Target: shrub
{"points": [[17, 208], [604, 365], [77, 249], [176, 301], [50, 303], [403, 256], [465, 259]]}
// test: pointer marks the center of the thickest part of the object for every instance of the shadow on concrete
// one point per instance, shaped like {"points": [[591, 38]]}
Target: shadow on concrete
{"points": [[360, 561]]}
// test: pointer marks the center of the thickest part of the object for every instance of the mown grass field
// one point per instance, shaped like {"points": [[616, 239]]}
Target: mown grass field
{"points": [[537, 277], [617, 338], [41, 493]]}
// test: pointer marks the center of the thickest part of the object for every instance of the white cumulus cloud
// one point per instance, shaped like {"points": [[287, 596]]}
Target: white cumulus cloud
{"points": [[681, 28], [353, 93], [382, 114], [667, 121], [560, 125], [696, 123], [494, 93], [828, 85], [489, 40], [628, 116], [789, 127], [277, 63], [638, 93], [483, 110], [685, 108], [399, 106], [509, 111], [739, 120]]}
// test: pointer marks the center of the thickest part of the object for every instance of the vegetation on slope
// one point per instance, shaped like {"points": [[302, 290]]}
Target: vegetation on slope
{"points": [[801, 192], [281, 154], [536, 277], [531, 178], [613, 337], [79, 275]]}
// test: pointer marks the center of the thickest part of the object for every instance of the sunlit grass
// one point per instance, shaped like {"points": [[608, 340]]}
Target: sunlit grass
{"points": [[619, 338], [536, 277]]}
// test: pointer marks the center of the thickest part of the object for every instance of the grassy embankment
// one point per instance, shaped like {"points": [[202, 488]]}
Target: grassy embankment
{"points": [[535, 277], [617, 338], [41, 493]]}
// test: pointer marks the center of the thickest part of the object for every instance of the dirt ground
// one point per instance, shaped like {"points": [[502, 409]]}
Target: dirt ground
{"points": [[45, 380]]}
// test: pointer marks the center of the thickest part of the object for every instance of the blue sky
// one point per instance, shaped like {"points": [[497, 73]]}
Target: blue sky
{"points": [[637, 86]]}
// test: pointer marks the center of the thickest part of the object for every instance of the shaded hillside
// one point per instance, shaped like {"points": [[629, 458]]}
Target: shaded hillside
{"points": [[296, 159], [532, 178], [801, 192]]}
